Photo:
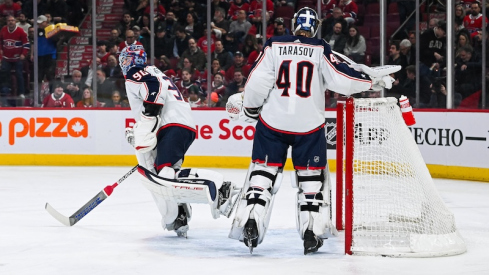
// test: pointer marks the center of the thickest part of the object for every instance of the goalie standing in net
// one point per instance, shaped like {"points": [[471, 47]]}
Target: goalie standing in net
{"points": [[284, 95]]}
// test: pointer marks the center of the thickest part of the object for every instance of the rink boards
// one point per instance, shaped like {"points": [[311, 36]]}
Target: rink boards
{"points": [[453, 144]]}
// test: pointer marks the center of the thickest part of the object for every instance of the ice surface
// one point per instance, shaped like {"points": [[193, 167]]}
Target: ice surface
{"points": [[123, 235]]}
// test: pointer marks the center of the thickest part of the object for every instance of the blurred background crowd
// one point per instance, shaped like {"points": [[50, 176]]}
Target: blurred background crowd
{"points": [[66, 75]]}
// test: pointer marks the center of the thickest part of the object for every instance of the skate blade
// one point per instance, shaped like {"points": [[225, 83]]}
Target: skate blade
{"points": [[182, 231]]}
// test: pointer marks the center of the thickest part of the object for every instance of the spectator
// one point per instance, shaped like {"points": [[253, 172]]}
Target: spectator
{"points": [[14, 48], [462, 40], [217, 90], [75, 86], [126, 24], [236, 7], [130, 40], [170, 24], [254, 54], [337, 40], [329, 23], [202, 42], [105, 87], [195, 97], [255, 11], [194, 54], [58, 9], [46, 52], [87, 100], [256, 28], [355, 45], [433, 22], [102, 52], [238, 64], [432, 47], [396, 58], [185, 83], [408, 51], [219, 23], [188, 65], [180, 42], [23, 23], [215, 68], [28, 8], [116, 101], [406, 7], [280, 28], [225, 58], [145, 28], [218, 4], [159, 10], [473, 21], [230, 43], [198, 9], [58, 98], [49, 18], [408, 87], [113, 49], [137, 33], [438, 97], [234, 87], [112, 70], [10, 8], [459, 13], [478, 46], [240, 26], [193, 27], [468, 72], [115, 38], [349, 9], [250, 45], [327, 8], [165, 67], [163, 43], [88, 71]]}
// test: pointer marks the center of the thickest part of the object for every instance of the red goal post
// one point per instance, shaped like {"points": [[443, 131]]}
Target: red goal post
{"points": [[390, 206]]}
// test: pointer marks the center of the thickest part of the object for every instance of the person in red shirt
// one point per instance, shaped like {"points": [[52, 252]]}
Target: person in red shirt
{"points": [[236, 6], [58, 98], [327, 8], [350, 10], [10, 8], [473, 21], [239, 63], [14, 48], [102, 52], [131, 39]]}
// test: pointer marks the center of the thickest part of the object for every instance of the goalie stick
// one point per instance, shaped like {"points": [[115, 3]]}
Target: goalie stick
{"points": [[90, 205]]}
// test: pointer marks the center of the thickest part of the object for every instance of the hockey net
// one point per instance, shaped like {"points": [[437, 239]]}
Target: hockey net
{"points": [[391, 205]]}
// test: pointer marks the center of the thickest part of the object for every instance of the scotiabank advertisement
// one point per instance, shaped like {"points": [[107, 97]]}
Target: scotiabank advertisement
{"points": [[444, 138]]}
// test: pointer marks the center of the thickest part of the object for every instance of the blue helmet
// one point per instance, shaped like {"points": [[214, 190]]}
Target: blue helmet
{"points": [[306, 19], [132, 56]]}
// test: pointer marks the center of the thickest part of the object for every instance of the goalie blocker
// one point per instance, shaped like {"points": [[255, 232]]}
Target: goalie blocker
{"points": [[193, 186]]}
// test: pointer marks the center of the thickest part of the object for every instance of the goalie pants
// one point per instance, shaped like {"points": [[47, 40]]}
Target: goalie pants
{"points": [[173, 143], [308, 149]]}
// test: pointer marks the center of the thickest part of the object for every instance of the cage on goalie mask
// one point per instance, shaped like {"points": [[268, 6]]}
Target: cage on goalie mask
{"points": [[306, 19], [132, 56]]}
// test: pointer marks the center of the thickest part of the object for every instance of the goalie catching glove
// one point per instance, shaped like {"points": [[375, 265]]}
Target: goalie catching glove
{"points": [[144, 132], [236, 111]]}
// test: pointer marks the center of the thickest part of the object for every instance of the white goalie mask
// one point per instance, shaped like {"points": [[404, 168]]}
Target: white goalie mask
{"points": [[306, 19]]}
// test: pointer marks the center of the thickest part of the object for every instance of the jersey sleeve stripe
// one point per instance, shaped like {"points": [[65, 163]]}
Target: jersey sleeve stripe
{"points": [[344, 74]]}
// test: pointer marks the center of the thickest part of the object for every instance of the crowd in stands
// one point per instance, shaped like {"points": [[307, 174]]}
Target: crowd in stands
{"points": [[180, 47]]}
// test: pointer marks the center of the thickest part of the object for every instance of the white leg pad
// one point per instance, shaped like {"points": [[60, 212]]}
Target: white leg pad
{"points": [[190, 186], [256, 189], [313, 204]]}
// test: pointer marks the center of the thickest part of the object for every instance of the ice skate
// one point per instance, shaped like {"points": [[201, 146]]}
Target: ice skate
{"points": [[250, 233], [181, 224], [311, 242]]}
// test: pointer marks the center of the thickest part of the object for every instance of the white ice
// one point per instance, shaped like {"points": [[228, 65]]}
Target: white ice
{"points": [[123, 235]]}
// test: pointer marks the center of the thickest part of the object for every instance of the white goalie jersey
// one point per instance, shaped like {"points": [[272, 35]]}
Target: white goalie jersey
{"points": [[149, 84], [291, 75]]}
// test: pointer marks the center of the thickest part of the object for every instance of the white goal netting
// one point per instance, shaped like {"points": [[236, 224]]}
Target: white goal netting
{"points": [[396, 208]]}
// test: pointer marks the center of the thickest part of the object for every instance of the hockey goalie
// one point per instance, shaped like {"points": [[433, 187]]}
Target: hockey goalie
{"points": [[163, 132], [284, 95]]}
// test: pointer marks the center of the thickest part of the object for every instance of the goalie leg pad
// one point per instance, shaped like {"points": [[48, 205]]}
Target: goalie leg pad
{"points": [[256, 200], [313, 203], [191, 186]]}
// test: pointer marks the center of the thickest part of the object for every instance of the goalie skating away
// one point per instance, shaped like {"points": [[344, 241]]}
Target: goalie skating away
{"points": [[161, 136], [284, 95]]}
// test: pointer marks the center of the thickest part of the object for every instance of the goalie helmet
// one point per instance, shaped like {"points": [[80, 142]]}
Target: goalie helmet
{"points": [[306, 19], [132, 56]]}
